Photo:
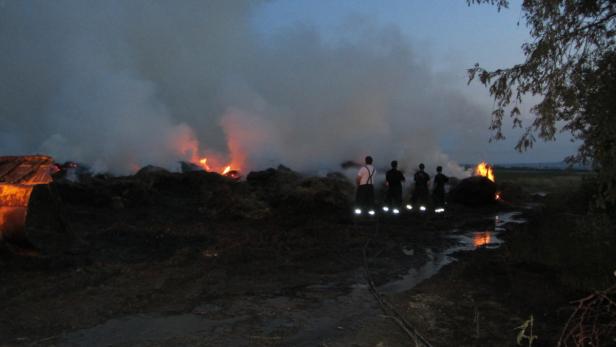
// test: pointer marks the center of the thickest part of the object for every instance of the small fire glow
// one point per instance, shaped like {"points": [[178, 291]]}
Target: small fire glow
{"points": [[226, 171], [13, 207], [187, 148], [15, 195], [203, 164], [484, 169], [19, 176]]}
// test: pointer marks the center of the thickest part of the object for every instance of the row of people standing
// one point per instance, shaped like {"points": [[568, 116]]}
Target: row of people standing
{"points": [[394, 180]]}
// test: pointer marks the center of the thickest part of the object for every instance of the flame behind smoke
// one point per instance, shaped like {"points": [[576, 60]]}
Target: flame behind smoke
{"points": [[187, 148], [203, 163]]}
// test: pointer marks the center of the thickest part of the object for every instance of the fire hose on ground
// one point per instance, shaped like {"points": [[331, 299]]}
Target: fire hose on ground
{"points": [[388, 310]]}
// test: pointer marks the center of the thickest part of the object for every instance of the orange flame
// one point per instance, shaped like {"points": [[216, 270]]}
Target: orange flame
{"points": [[203, 163], [484, 169], [187, 147]]}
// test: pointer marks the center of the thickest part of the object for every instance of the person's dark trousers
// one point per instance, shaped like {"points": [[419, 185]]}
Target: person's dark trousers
{"points": [[365, 196], [420, 195], [394, 196], [438, 196]]}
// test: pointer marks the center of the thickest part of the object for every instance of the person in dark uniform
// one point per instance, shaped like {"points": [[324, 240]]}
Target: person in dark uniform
{"points": [[421, 193], [393, 180], [365, 189], [438, 192]]}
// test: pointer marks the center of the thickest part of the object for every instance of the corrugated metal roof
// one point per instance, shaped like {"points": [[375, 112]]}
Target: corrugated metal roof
{"points": [[29, 169]]}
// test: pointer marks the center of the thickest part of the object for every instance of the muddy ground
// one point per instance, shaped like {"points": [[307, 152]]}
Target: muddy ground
{"points": [[169, 269]]}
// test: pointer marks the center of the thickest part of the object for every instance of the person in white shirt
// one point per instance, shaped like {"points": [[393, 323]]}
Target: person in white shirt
{"points": [[365, 188]]}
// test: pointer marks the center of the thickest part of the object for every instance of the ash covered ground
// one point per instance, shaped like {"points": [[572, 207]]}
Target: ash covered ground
{"points": [[198, 259]]}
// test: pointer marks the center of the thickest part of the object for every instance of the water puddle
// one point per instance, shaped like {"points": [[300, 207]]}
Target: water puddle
{"points": [[501, 219], [467, 241]]}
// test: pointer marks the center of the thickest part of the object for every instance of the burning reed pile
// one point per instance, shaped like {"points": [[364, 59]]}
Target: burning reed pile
{"points": [[264, 194], [268, 200], [155, 213]]}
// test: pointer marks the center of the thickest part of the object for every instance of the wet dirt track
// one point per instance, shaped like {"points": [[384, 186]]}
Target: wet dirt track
{"points": [[154, 277]]}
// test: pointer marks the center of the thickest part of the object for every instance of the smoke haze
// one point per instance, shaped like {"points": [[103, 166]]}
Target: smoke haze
{"points": [[123, 84]]}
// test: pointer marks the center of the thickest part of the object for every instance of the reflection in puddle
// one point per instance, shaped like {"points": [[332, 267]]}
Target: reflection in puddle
{"points": [[481, 239], [416, 275], [509, 217], [469, 241]]}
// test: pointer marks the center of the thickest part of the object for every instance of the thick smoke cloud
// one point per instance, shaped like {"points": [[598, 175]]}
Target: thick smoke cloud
{"points": [[122, 84]]}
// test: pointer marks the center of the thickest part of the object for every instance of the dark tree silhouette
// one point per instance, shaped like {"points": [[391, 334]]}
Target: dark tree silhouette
{"points": [[572, 43]]}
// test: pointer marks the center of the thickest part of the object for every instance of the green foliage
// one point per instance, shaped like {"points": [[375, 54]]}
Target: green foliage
{"points": [[597, 127], [572, 44], [499, 3]]}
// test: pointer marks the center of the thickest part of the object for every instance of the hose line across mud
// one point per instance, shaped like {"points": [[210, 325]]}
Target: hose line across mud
{"points": [[388, 310]]}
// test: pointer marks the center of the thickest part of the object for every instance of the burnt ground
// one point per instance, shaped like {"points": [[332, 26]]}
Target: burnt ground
{"points": [[159, 262]]}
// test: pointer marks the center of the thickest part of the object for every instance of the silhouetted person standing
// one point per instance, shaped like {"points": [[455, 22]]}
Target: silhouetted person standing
{"points": [[438, 192], [394, 179], [365, 188], [420, 194]]}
